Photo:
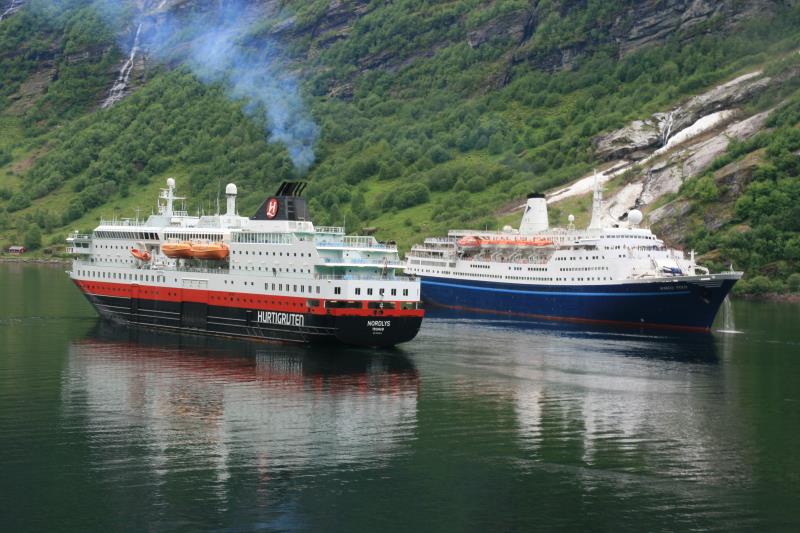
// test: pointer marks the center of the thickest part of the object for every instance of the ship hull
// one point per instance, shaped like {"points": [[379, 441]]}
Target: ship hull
{"points": [[688, 303], [367, 327]]}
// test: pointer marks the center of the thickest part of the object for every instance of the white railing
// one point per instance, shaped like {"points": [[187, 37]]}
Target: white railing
{"points": [[336, 230], [372, 262]]}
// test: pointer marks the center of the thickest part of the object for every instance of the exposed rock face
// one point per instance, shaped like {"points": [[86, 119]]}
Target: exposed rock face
{"points": [[670, 220], [636, 140], [632, 141], [10, 8], [509, 26], [643, 23]]}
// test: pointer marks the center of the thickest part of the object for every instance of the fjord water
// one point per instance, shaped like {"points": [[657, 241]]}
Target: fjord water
{"points": [[488, 425]]}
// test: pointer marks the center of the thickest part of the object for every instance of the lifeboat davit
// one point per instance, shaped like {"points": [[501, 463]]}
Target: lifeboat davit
{"points": [[141, 255], [210, 250], [177, 250], [469, 243]]}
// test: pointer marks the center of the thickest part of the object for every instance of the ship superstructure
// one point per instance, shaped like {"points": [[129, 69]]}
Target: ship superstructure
{"points": [[607, 273], [271, 276]]}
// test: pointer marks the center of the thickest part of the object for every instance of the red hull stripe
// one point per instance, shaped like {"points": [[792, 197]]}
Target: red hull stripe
{"points": [[618, 323], [265, 302]]}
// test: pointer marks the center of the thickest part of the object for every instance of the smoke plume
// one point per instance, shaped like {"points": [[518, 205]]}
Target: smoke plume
{"points": [[220, 43]]}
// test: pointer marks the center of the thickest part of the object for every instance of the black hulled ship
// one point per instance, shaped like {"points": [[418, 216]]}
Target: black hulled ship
{"points": [[271, 276]]}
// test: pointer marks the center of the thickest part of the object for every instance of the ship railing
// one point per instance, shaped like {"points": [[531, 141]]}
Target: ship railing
{"points": [[348, 242], [335, 230], [365, 261], [437, 240], [361, 277], [120, 222]]}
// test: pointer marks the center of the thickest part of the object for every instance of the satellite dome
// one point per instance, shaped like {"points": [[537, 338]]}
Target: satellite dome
{"points": [[171, 183], [635, 217], [507, 228], [571, 218], [230, 189]]}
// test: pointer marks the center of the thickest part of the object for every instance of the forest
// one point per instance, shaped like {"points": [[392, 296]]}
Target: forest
{"points": [[420, 131]]}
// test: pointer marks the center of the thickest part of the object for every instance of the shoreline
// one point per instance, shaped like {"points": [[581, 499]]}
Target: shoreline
{"points": [[792, 297], [36, 260]]}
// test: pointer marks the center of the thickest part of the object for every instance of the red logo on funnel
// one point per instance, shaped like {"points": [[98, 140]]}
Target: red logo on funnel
{"points": [[272, 208]]}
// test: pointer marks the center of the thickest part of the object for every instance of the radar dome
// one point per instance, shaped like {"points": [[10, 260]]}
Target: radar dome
{"points": [[230, 189], [507, 228], [571, 218], [635, 217], [171, 183]]}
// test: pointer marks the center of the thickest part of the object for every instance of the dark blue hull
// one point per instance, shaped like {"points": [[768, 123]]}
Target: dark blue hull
{"points": [[679, 303]]}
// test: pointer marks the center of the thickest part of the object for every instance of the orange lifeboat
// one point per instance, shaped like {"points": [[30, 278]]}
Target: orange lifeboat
{"points": [[498, 243], [177, 250], [210, 250], [469, 242], [141, 255], [538, 242]]}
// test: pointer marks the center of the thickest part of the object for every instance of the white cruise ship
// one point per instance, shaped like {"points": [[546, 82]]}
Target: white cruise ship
{"points": [[271, 276], [607, 273]]}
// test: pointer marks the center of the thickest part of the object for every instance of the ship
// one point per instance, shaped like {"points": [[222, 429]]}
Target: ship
{"points": [[273, 276], [612, 272]]}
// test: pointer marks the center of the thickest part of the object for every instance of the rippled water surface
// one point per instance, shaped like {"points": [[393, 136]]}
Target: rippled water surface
{"points": [[480, 425]]}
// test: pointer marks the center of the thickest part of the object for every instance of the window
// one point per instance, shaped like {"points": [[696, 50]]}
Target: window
{"points": [[358, 291], [405, 292], [369, 292], [337, 290]]}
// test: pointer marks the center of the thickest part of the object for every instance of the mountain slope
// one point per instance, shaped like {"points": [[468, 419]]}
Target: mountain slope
{"points": [[432, 114]]}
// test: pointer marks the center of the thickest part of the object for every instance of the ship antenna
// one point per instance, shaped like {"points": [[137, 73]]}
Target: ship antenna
{"points": [[219, 184]]}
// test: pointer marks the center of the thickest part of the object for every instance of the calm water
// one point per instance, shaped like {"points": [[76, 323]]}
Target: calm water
{"points": [[474, 426]]}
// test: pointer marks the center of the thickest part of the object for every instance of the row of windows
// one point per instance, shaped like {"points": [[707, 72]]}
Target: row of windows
{"points": [[648, 237], [582, 269], [293, 287], [280, 254], [580, 258], [275, 270], [264, 238], [193, 236], [380, 292], [122, 276], [131, 235]]}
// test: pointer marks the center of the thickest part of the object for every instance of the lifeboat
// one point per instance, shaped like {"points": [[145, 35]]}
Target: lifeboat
{"points": [[210, 250], [177, 250], [498, 243], [537, 242], [469, 243], [141, 255]]}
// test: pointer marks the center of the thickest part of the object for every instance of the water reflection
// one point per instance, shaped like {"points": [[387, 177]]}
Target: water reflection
{"points": [[198, 404], [624, 401]]}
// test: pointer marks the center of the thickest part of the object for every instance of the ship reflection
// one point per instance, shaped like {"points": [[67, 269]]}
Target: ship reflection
{"points": [[620, 400], [663, 345], [201, 403]]}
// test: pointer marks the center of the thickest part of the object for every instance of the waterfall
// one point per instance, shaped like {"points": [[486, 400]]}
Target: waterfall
{"points": [[121, 85], [666, 127], [728, 322], [12, 7]]}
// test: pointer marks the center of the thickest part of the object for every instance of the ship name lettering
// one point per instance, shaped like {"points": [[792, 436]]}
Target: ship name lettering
{"points": [[281, 319], [379, 323]]}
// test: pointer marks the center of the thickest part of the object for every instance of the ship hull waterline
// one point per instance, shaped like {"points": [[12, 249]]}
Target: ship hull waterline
{"points": [[687, 303], [372, 328]]}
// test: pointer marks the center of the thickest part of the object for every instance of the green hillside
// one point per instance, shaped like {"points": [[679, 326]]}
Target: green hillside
{"points": [[432, 114]]}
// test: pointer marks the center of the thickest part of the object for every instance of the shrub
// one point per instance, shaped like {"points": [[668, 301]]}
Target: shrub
{"points": [[794, 282]]}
